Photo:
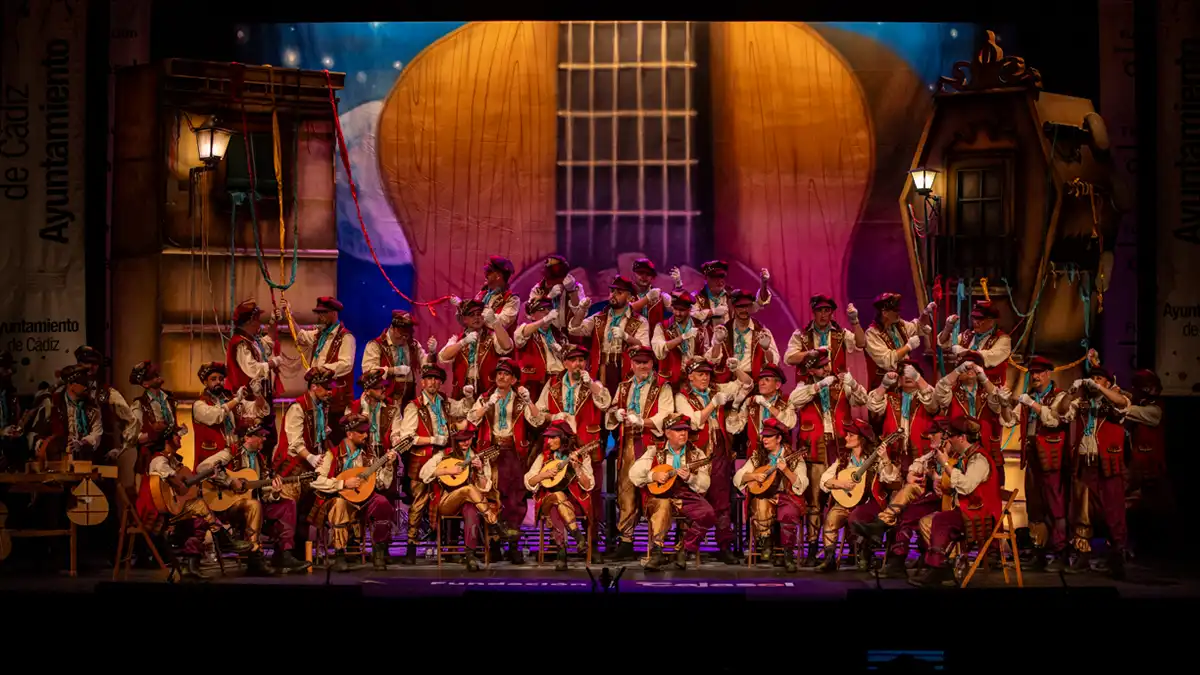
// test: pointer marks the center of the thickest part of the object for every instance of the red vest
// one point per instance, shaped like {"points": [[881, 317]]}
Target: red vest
{"points": [[516, 423], [60, 426], [997, 373], [754, 418], [874, 372], [291, 465], [837, 348], [1149, 447], [498, 300], [981, 508], [989, 423], [654, 386], [690, 454], [919, 420], [425, 424], [703, 302], [237, 378], [397, 390], [600, 328], [1048, 441], [758, 355], [212, 439], [588, 417], [485, 358], [654, 314], [671, 367], [344, 389], [1110, 438], [532, 356], [387, 413], [701, 438], [812, 424]]}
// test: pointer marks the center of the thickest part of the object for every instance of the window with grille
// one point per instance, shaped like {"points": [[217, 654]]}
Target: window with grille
{"points": [[626, 130], [979, 243]]}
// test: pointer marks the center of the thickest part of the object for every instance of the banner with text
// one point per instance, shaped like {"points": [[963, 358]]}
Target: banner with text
{"points": [[42, 104], [1179, 196]]}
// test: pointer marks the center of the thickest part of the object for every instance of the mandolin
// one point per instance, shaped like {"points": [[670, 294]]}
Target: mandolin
{"points": [[221, 498], [91, 506], [457, 479], [171, 497], [851, 498], [758, 488], [368, 474], [560, 467], [663, 488]]}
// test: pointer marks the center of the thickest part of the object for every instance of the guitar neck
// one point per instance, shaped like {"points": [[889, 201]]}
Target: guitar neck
{"points": [[267, 481], [199, 477]]}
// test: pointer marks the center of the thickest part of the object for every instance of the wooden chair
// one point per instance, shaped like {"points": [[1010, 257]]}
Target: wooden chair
{"points": [[752, 554], [457, 549], [323, 551], [548, 545], [1007, 534], [669, 544], [128, 533]]}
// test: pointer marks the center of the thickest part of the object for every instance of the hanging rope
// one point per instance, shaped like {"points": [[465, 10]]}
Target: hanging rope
{"points": [[960, 297], [345, 155]]}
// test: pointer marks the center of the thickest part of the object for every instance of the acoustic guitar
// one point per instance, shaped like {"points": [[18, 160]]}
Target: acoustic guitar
{"points": [[757, 488], [369, 474], [220, 498], [171, 497], [560, 467], [851, 498], [663, 488], [464, 468]]}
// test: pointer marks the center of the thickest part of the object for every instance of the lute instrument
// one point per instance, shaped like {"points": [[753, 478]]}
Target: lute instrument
{"points": [[757, 488], [90, 507], [663, 488], [857, 475], [560, 467], [171, 495], [463, 467], [369, 474], [220, 498]]}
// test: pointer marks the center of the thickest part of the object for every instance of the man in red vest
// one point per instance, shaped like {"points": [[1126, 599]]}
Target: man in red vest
{"points": [[975, 483], [249, 358], [823, 331], [909, 407], [219, 415], [474, 352], [332, 347], [1098, 467], [494, 293], [707, 405], [745, 339], [648, 300], [153, 411], [770, 402], [612, 332], [1148, 490], [890, 339], [678, 342], [397, 356], [712, 302], [967, 391], [540, 345], [561, 289], [382, 414], [117, 421], [984, 338]]}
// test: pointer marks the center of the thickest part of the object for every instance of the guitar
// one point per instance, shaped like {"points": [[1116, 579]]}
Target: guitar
{"points": [[657, 488], [851, 498], [171, 497], [457, 479], [368, 474], [758, 488], [560, 467], [221, 498]]}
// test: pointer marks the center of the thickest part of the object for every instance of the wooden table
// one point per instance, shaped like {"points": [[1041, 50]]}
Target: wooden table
{"points": [[42, 479]]}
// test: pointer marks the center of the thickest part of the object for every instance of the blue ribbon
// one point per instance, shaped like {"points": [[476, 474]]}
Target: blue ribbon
{"points": [[635, 396], [568, 395], [961, 297], [1085, 294], [81, 421], [676, 457], [613, 319], [439, 418], [502, 405], [319, 419], [739, 345], [348, 460], [322, 337], [766, 409]]}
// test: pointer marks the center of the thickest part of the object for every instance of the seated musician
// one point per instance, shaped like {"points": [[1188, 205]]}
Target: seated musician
{"points": [[907, 506], [784, 500], [470, 500], [563, 502], [860, 443], [685, 497], [193, 521], [975, 485], [343, 514], [268, 505]]}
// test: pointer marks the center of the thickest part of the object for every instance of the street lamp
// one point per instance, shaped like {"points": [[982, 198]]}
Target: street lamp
{"points": [[927, 250], [923, 180], [211, 142]]}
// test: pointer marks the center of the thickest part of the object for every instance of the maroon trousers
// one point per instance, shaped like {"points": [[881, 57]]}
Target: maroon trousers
{"points": [[908, 521], [1049, 486], [1106, 495], [510, 478], [381, 516], [283, 514], [946, 528], [790, 512], [471, 521], [720, 495], [192, 531]]}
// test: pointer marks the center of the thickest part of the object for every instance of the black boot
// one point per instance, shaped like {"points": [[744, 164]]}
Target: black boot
{"points": [[560, 560], [284, 561], [379, 557], [865, 557], [623, 553], [918, 564], [1081, 564], [256, 565], [726, 556], [894, 568], [228, 544], [764, 551], [1034, 560], [470, 562], [495, 551], [1116, 564], [410, 555], [872, 531], [810, 555], [191, 570], [789, 561], [681, 558], [514, 553], [1058, 564], [339, 562], [579, 538], [933, 577], [830, 563], [657, 560]]}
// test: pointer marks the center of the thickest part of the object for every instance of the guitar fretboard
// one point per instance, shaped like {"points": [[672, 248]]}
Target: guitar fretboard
{"points": [[626, 159]]}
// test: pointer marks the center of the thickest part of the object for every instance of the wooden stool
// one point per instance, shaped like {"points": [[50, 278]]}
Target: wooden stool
{"points": [[550, 546], [1007, 534], [669, 546], [456, 549], [323, 532]]}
